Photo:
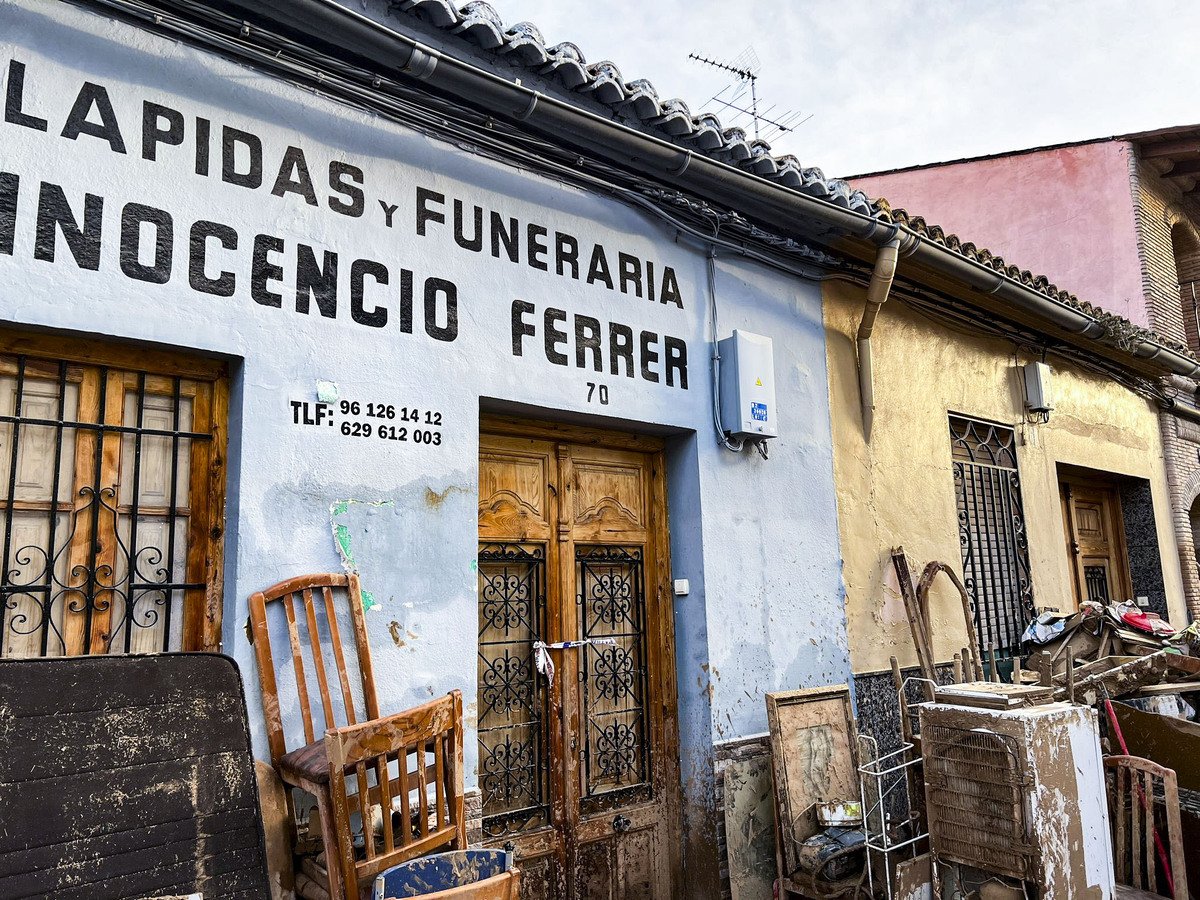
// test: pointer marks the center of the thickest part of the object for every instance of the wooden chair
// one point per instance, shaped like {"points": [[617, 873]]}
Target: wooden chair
{"points": [[1135, 797], [305, 600], [397, 758]]}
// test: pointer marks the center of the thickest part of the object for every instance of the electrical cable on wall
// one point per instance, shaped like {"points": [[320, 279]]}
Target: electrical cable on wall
{"points": [[722, 439], [734, 446]]}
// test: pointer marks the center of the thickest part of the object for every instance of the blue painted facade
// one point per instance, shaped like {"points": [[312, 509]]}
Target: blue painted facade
{"points": [[757, 539]]}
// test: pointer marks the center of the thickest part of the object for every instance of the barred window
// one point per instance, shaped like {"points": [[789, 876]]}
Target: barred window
{"points": [[111, 499], [991, 531]]}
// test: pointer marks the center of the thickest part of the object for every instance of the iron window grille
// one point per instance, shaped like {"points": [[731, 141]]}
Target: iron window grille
{"points": [[100, 483], [991, 531]]}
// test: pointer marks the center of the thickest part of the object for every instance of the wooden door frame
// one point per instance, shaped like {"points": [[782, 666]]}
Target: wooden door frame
{"points": [[660, 633], [202, 618], [1067, 480]]}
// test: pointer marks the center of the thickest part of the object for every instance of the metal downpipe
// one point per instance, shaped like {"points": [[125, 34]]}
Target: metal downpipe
{"points": [[877, 293]]}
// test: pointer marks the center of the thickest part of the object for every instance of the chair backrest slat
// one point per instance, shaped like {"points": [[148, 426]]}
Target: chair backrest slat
{"points": [[317, 649], [366, 809], [1118, 811], [405, 739], [383, 779], [405, 803], [266, 676], [1148, 829], [289, 608], [335, 635], [439, 769], [1134, 795], [365, 669], [422, 789]]}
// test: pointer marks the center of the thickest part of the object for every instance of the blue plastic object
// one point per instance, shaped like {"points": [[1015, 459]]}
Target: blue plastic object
{"points": [[440, 872]]}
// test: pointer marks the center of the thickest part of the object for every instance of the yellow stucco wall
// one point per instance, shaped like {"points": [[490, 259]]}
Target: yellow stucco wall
{"points": [[899, 489]]}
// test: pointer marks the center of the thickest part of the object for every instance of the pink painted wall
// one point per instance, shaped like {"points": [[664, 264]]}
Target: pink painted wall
{"points": [[1065, 213]]}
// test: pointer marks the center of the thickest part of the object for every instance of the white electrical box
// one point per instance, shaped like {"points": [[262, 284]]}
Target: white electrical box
{"points": [[1037, 387], [747, 386]]}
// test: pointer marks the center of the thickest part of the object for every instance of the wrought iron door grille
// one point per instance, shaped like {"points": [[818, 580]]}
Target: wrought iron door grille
{"points": [[991, 531], [95, 484], [616, 748], [1096, 580], [513, 740]]}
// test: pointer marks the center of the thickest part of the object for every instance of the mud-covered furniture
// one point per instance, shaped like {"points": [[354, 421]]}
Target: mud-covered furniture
{"points": [[457, 875], [315, 664], [1143, 803], [400, 779], [814, 760], [127, 776]]}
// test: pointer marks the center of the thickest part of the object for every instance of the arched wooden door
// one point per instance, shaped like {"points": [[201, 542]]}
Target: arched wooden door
{"points": [[578, 771]]}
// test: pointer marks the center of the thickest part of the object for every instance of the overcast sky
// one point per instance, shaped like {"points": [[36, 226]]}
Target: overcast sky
{"points": [[890, 83]]}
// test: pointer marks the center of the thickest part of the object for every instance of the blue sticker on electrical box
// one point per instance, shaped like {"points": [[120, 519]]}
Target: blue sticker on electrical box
{"points": [[758, 412]]}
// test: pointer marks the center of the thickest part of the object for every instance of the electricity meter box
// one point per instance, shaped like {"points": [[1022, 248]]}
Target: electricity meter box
{"points": [[748, 386]]}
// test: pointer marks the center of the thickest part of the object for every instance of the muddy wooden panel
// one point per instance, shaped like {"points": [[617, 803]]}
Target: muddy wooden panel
{"points": [[750, 828], [640, 865], [813, 756], [595, 872], [610, 494], [515, 478], [539, 878], [130, 777]]}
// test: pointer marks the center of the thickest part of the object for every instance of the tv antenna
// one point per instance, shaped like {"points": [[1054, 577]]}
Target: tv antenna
{"points": [[745, 67]]}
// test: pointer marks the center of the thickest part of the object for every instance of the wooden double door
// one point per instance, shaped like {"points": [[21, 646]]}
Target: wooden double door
{"points": [[578, 766], [1095, 541]]}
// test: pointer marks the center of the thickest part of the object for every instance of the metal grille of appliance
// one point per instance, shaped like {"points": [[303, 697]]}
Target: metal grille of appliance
{"points": [[991, 531], [975, 790]]}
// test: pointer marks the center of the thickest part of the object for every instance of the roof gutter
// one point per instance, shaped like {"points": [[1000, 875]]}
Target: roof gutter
{"points": [[328, 23]]}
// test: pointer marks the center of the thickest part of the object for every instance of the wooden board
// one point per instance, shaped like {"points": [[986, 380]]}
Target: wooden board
{"points": [[749, 828], [128, 776], [993, 695], [813, 757]]}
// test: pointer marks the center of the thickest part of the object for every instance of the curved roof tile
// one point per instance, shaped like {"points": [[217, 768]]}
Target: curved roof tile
{"points": [[526, 42], [567, 64], [641, 99], [479, 21], [605, 81]]}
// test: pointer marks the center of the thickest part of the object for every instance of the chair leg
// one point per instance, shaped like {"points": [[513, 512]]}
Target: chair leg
{"points": [[333, 857]]}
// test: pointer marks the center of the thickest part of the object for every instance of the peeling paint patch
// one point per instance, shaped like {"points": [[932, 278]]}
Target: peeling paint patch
{"points": [[327, 391], [341, 534], [434, 500], [342, 543], [394, 630]]}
